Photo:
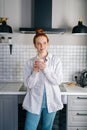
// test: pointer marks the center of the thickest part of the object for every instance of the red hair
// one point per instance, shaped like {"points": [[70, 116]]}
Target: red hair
{"points": [[40, 32]]}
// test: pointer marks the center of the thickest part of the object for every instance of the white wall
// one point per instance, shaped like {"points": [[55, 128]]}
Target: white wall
{"points": [[72, 48], [18, 12], [73, 59], [65, 13]]}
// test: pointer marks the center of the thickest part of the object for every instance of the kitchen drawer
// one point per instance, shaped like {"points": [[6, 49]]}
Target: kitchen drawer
{"points": [[77, 128], [77, 118], [77, 102]]}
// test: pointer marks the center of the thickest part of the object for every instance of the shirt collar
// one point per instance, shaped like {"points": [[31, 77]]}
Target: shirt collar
{"points": [[48, 56]]}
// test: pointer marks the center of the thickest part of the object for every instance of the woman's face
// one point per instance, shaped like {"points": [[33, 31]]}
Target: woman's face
{"points": [[41, 44]]}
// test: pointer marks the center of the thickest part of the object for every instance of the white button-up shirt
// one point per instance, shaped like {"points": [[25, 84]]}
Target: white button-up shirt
{"points": [[50, 77]]}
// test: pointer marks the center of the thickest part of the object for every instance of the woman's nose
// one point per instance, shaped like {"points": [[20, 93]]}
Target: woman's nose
{"points": [[41, 45]]}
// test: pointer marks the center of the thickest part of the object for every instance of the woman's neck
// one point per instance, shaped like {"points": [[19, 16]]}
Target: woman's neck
{"points": [[42, 55]]}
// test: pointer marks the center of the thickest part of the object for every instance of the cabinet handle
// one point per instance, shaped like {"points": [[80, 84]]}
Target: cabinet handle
{"points": [[79, 114], [81, 97]]}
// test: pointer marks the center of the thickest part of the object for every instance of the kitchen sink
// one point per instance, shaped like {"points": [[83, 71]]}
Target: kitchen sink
{"points": [[62, 88], [23, 88]]}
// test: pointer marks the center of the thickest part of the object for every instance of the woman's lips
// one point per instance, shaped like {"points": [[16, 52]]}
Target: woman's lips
{"points": [[42, 49]]}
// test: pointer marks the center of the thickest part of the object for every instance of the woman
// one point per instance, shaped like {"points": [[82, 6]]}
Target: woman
{"points": [[42, 76]]}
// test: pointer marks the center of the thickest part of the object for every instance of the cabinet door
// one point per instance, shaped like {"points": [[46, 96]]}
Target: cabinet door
{"points": [[1, 111], [77, 102], [77, 118], [77, 128], [8, 113]]}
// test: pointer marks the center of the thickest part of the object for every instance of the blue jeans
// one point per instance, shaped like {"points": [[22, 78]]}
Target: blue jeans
{"points": [[32, 120]]}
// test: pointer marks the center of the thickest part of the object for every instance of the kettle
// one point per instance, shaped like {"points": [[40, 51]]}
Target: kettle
{"points": [[83, 79]]}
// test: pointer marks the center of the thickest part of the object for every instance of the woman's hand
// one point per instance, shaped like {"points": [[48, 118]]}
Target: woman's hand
{"points": [[35, 67], [39, 65]]}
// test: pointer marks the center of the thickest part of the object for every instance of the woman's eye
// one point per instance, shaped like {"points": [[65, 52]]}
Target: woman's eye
{"points": [[38, 43], [44, 43]]}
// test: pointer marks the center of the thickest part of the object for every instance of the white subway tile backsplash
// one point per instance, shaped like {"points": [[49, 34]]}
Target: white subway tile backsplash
{"points": [[74, 59]]}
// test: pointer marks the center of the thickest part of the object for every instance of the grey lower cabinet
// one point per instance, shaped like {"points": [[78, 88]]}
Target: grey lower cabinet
{"points": [[77, 112], [8, 112]]}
